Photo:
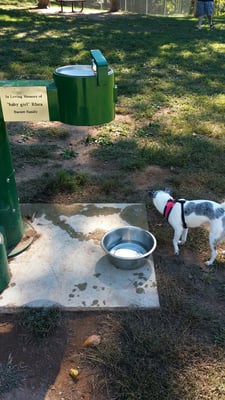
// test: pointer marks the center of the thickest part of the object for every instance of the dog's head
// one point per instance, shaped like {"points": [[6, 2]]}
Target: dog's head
{"points": [[160, 198], [154, 193]]}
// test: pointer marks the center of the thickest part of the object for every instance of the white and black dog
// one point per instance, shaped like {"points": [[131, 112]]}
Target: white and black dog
{"points": [[183, 214]]}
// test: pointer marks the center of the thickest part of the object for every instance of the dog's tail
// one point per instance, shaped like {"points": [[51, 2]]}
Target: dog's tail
{"points": [[223, 205]]}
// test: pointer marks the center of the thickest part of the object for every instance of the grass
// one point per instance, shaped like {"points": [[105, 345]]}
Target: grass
{"points": [[10, 375], [41, 323], [35, 153], [171, 91], [67, 181], [144, 356]]}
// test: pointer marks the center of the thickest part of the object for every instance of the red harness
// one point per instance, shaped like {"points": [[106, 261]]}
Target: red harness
{"points": [[169, 206]]}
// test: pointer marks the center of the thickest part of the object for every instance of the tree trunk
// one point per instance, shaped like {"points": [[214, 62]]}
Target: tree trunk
{"points": [[114, 5], [43, 3]]}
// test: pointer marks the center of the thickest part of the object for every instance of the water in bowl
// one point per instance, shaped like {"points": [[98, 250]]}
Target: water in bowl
{"points": [[128, 250]]}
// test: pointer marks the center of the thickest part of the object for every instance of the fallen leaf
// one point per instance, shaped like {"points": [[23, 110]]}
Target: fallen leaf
{"points": [[93, 340]]}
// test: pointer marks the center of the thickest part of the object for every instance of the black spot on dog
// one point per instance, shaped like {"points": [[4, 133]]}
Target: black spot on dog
{"points": [[219, 212], [205, 208]]}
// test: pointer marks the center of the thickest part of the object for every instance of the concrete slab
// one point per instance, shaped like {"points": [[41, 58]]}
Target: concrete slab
{"points": [[66, 265]]}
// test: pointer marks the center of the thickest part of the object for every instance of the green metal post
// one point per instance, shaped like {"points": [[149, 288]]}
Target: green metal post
{"points": [[4, 267], [10, 215]]}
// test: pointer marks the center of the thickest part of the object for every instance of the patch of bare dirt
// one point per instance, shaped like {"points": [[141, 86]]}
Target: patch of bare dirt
{"points": [[76, 140]]}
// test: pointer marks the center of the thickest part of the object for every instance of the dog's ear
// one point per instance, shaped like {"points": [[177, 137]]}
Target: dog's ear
{"points": [[168, 190], [152, 193]]}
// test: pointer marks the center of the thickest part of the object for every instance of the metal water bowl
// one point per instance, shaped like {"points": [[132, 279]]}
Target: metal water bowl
{"points": [[128, 247]]}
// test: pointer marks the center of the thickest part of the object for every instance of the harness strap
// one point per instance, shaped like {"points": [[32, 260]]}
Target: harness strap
{"points": [[169, 206], [182, 201]]}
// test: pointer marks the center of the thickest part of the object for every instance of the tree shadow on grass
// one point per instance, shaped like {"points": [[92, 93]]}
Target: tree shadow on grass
{"points": [[166, 150]]}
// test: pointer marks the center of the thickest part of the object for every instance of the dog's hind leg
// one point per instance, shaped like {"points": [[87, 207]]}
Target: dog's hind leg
{"points": [[176, 238], [184, 236], [212, 243]]}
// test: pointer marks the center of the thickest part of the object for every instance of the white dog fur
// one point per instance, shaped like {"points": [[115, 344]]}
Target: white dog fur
{"points": [[195, 213]]}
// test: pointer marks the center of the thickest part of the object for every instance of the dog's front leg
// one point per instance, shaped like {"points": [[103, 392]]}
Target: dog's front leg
{"points": [[184, 236], [176, 238]]}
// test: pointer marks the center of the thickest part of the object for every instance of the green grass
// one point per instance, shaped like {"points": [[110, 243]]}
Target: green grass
{"points": [[68, 153], [41, 323], [10, 375], [34, 154], [67, 181]]}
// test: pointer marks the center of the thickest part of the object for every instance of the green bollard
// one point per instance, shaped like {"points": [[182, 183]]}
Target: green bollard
{"points": [[4, 267], [10, 215]]}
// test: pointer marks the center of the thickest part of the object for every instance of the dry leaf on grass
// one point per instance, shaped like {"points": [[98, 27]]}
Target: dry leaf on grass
{"points": [[93, 340]]}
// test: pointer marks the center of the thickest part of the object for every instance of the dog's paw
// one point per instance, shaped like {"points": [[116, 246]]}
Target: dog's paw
{"points": [[181, 242], [208, 263]]}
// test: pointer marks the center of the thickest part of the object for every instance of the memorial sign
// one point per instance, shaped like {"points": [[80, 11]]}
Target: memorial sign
{"points": [[21, 103]]}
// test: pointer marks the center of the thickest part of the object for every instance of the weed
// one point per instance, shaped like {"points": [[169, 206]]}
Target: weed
{"points": [[125, 153], [148, 131], [67, 181], [27, 134], [89, 140], [115, 130], [9, 375], [42, 322], [68, 153], [32, 154], [102, 139], [221, 293], [109, 184], [220, 338], [56, 133]]}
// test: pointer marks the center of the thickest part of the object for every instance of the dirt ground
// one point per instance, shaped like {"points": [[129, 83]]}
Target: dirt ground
{"points": [[21, 134]]}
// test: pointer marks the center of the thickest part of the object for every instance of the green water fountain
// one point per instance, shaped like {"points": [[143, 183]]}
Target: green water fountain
{"points": [[82, 95]]}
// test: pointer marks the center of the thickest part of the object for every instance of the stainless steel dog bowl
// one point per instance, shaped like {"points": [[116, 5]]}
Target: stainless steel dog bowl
{"points": [[128, 247]]}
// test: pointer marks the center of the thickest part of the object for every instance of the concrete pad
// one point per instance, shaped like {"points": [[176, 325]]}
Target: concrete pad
{"points": [[66, 265]]}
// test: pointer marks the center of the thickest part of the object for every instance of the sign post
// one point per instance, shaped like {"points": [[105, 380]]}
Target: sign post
{"points": [[20, 101]]}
